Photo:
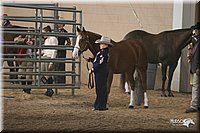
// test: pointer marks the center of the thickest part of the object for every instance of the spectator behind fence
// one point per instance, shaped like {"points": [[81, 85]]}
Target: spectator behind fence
{"points": [[48, 54], [60, 66], [193, 59], [26, 66], [6, 23]]}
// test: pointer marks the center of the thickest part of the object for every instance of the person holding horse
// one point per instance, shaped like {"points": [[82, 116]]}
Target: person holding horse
{"points": [[100, 69], [193, 56], [26, 66], [48, 54], [60, 66]]}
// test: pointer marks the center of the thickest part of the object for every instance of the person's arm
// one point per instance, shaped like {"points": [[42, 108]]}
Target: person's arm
{"points": [[54, 42], [189, 52], [198, 60], [19, 40], [67, 38]]}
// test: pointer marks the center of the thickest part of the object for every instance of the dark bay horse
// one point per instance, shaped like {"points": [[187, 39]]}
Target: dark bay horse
{"points": [[164, 48], [10, 51], [124, 57]]}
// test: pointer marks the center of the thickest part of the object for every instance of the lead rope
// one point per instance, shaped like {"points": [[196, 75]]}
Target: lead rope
{"points": [[90, 75], [90, 78]]}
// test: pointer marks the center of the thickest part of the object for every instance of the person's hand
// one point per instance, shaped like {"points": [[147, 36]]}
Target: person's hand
{"points": [[50, 67], [69, 43], [90, 71], [90, 59], [198, 71], [29, 42]]}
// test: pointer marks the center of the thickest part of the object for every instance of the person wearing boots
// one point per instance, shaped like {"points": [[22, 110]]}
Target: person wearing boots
{"points": [[48, 54], [100, 69], [26, 66], [60, 66], [193, 56]]}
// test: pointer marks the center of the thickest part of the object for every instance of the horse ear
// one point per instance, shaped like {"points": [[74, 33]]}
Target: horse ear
{"points": [[78, 29], [84, 29]]}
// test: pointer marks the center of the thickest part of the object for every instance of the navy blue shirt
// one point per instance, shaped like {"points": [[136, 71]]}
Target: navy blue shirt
{"points": [[100, 61]]}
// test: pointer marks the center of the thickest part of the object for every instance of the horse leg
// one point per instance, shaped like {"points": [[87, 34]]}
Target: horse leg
{"points": [[11, 64], [164, 70], [17, 69], [143, 75], [131, 82], [172, 67], [139, 98], [109, 83], [123, 85]]}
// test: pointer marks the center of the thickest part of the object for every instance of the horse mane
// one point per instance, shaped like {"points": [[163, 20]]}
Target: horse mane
{"points": [[95, 34], [142, 32]]}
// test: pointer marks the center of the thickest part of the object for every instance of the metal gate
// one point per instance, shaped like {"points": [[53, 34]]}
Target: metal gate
{"points": [[39, 19]]}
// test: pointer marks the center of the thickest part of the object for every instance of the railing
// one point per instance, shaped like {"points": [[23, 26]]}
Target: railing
{"points": [[38, 20]]}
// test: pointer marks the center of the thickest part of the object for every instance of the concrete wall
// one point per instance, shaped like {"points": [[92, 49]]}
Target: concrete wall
{"points": [[114, 20]]}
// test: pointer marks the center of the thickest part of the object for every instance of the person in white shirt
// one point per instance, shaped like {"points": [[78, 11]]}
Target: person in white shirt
{"points": [[48, 54]]}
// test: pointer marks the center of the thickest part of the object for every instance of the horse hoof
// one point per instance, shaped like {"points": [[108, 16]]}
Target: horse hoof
{"points": [[170, 95], [131, 107], [163, 95], [146, 107], [28, 91]]}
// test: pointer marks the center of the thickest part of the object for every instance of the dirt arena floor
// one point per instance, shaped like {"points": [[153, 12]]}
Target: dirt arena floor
{"points": [[65, 113]]}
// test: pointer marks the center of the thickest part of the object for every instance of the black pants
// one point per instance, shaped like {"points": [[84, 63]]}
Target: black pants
{"points": [[101, 89], [60, 66]]}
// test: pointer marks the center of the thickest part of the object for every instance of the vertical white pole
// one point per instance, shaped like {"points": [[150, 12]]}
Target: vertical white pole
{"points": [[177, 24]]}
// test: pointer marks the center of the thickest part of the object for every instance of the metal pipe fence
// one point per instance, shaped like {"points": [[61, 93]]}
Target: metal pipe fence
{"points": [[73, 71]]}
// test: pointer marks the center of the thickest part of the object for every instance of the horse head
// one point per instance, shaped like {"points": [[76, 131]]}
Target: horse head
{"points": [[82, 43]]}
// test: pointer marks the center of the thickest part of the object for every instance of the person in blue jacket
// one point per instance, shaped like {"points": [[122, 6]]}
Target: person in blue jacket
{"points": [[100, 69]]}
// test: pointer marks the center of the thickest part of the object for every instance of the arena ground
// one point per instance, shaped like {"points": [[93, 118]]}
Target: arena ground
{"points": [[63, 112]]}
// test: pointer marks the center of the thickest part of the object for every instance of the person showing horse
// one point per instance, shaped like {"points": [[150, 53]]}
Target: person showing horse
{"points": [[60, 66], [100, 69], [118, 62], [48, 54], [25, 65], [193, 56]]}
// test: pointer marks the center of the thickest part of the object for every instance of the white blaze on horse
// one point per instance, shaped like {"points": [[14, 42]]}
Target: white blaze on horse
{"points": [[118, 61]]}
